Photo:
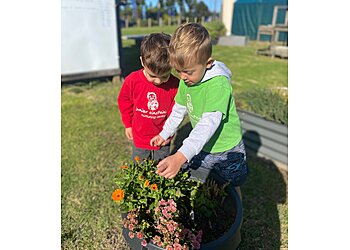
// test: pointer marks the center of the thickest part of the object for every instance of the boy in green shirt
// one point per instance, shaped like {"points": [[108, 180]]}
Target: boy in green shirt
{"points": [[205, 94]]}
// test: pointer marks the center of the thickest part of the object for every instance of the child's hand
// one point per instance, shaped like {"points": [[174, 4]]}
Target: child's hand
{"points": [[170, 166], [128, 133], [157, 141], [166, 142]]}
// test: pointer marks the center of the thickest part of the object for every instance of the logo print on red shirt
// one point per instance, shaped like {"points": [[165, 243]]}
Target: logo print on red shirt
{"points": [[152, 101]]}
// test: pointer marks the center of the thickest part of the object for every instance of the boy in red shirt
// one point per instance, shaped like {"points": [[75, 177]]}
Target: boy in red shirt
{"points": [[147, 98]]}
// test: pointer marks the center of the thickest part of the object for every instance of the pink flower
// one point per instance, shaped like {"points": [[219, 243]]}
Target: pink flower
{"points": [[177, 246], [199, 236], [157, 210], [131, 235], [170, 228], [139, 235], [131, 227], [144, 243], [156, 239], [172, 202], [125, 223], [164, 230], [169, 248], [196, 244]]}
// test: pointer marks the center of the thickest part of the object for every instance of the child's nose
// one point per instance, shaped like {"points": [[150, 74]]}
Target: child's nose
{"points": [[183, 76], [157, 81]]}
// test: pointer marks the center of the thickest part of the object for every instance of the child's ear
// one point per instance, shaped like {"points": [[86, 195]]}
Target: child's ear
{"points": [[210, 63], [141, 61]]}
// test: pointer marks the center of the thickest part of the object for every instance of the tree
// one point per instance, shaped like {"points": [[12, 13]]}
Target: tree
{"points": [[170, 4], [152, 13], [202, 10], [125, 12], [170, 8], [181, 7], [191, 4], [139, 4]]}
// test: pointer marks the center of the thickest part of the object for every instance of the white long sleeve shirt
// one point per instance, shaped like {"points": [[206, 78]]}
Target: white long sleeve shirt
{"points": [[198, 137]]}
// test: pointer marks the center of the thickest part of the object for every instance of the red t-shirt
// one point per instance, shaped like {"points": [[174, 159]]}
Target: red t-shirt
{"points": [[145, 106]]}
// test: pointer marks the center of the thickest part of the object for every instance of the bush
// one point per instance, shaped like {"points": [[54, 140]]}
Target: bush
{"points": [[215, 28], [271, 104]]}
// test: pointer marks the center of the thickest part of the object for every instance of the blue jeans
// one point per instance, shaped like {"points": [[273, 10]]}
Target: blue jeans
{"points": [[231, 165]]}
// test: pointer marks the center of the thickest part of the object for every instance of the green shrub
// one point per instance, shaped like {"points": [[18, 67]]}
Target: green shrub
{"points": [[215, 28], [271, 104]]}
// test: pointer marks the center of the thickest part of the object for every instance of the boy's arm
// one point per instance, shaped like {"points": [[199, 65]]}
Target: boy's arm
{"points": [[125, 103], [172, 123], [170, 126], [201, 134], [198, 137]]}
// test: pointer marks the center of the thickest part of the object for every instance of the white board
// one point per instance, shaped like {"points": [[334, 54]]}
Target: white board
{"points": [[89, 40]]}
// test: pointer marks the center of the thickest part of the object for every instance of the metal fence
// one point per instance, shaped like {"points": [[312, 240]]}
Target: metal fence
{"points": [[264, 137]]}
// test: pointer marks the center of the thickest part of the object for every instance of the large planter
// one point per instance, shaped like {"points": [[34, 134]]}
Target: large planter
{"points": [[228, 241]]}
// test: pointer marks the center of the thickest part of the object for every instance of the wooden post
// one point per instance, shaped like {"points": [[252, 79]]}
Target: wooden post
{"points": [[274, 36], [149, 22], [274, 17], [127, 22], [286, 18], [179, 20], [202, 19], [138, 22]]}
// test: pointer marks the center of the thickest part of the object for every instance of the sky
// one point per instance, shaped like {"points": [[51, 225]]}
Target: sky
{"points": [[210, 3]]}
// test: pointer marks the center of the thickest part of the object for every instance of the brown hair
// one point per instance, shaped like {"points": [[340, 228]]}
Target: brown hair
{"points": [[154, 53], [190, 44]]}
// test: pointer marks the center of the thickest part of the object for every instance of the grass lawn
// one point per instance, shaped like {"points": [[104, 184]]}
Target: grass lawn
{"points": [[94, 145], [146, 30]]}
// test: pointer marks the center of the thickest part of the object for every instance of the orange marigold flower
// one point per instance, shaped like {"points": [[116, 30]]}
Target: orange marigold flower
{"points": [[118, 195], [124, 167], [146, 183], [137, 158], [154, 187], [140, 177]]}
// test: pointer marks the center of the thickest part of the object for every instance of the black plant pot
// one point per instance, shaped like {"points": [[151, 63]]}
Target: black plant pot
{"points": [[228, 241]]}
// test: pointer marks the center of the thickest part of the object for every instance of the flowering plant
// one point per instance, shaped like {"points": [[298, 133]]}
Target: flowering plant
{"points": [[162, 211]]}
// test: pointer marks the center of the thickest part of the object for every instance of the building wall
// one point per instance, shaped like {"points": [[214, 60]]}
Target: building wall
{"points": [[249, 14], [227, 7]]}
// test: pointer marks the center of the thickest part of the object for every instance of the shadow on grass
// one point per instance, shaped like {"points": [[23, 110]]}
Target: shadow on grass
{"points": [[262, 193], [264, 190]]}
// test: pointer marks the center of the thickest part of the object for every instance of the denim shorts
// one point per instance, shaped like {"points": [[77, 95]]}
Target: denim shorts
{"points": [[231, 165], [150, 154]]}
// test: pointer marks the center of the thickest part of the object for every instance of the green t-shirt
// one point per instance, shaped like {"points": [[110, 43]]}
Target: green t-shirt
{"points": [[213, 95]]}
